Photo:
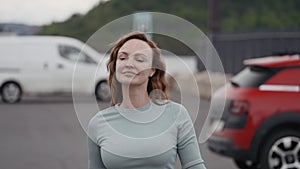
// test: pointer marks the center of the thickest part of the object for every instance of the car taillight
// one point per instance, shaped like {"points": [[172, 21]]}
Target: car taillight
{"points": [[239, 107]]}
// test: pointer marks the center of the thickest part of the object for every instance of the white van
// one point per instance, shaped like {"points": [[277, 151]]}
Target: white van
{"points": [[47, 64]]}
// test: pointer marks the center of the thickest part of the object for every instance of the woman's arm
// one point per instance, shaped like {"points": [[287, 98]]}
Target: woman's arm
{"points": [[94, 150], [187, 144], [94, 156]]}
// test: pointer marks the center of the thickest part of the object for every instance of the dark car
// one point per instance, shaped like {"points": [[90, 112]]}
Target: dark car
{"points": [[260, 124]]}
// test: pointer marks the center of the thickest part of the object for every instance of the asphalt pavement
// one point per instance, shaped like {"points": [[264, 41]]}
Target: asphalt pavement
{"points": [[48, 132]]}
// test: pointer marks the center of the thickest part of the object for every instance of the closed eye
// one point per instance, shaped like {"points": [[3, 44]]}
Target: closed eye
{"points": [[122, 56], [140, 60], [140, 57]]}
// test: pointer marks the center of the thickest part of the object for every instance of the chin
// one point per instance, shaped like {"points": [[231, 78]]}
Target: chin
{"points": [[134, 82]]}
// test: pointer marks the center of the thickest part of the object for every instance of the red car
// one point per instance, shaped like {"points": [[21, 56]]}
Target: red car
{"points": [[260, 124]]}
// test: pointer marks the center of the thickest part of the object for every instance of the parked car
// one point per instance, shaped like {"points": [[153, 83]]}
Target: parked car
{"points": [[260, 124], [32, 65]]}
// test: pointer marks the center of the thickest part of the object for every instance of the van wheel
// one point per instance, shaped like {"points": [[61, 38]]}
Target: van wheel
{"points": [[244, 164], [102, 91], [281, 150], [11, 92]]}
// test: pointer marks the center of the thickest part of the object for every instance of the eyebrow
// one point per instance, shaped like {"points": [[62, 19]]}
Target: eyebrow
{"points": [[121, 52], [135, 54]]}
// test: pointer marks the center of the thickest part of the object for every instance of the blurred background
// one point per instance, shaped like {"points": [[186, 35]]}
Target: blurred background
{"points": [[238, 29], [44, 132]]}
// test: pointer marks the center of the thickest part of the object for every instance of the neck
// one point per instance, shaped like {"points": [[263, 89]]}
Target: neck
{"points": [[134, 96]]}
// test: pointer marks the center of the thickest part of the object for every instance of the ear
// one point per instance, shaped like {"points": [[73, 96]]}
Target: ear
{"points": [[152, 72]]}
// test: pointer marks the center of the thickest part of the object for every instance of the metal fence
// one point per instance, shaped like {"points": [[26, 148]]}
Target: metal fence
{"points": [[234, 48]]}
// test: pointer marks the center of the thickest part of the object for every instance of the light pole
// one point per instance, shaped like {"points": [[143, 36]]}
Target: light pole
{"points": [[142, 22], [213, 27]]}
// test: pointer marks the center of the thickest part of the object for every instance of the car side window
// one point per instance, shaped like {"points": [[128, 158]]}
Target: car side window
{"points": [[73, 54], [252, 76], [290, 76]]}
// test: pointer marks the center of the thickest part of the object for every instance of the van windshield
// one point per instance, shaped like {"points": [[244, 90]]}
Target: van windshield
{"points": [[252, 76], [73, 54]]}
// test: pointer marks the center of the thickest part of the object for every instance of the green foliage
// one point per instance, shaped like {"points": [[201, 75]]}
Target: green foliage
{"points": [[233, 16], [258, 15], [82, 27]]}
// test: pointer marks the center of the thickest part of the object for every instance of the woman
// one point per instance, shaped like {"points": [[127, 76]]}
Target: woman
{"points": [[141, 129]]}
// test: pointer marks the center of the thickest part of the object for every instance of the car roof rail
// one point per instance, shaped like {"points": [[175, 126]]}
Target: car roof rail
{"points": [[284, 53]]}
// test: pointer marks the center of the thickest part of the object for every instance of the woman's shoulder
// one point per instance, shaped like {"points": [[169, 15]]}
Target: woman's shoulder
{"points": [[180, 111], [175, 106], [100, 114]]}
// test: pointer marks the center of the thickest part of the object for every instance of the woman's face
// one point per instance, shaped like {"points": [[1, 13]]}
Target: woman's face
{"points": [[134, 63]]}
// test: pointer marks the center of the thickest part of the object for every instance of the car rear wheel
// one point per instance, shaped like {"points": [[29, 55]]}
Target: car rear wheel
{"points": [[281, 150], [11, 92], [102, 91]]}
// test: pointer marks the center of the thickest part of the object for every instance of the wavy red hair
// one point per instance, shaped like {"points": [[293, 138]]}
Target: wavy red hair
{"points": [[157, 81]]}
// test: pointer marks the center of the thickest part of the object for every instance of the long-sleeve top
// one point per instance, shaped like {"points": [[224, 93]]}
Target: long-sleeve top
{"points": [[148, 137]]}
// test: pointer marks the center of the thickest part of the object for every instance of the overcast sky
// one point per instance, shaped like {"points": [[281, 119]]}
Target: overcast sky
{"points": [[40, 12]]}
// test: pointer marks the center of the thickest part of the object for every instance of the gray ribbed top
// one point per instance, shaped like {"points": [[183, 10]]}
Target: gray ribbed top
{"points": [[148, 137]]}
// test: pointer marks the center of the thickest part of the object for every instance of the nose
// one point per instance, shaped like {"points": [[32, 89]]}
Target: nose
{"points": [[129, 63]]}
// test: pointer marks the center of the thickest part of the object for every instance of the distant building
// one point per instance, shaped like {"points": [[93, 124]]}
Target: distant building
{"points": [[18, 29], [234, 48]]}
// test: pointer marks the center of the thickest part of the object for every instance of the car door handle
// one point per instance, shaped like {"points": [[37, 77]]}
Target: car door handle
{"points": [[45, 66], [60, 66]]}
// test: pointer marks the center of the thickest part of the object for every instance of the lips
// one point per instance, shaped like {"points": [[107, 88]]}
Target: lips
{"points": [[129, 73]]}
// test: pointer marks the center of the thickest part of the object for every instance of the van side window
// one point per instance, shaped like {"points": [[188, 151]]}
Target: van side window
{"points": [[73, 54]]}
